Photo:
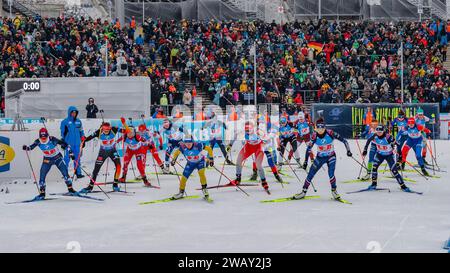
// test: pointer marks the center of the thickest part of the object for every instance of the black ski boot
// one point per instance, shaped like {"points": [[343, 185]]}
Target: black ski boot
{"points": [[424, 171], [146, 183], [237, 181], [115, 186], [79, 176], [278, 177], [88, 189], [41, 196], [228, 161], [265, 186], [402, 167], [405, 188], [71, 190], [254, 176]]}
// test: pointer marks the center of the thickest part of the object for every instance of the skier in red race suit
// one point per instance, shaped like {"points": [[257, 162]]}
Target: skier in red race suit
{"points": [[149, 145], [253, 145], [134, 148]]}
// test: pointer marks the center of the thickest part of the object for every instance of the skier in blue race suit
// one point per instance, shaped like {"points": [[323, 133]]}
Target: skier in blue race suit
{"points": [[414, 141], [324, 139], [72, 133], [401, 122], [52, 156], [368, 133], [384, 143]]}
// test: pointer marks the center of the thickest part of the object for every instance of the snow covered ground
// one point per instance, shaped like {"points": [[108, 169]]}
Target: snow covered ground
{"points": [[377, 221]]}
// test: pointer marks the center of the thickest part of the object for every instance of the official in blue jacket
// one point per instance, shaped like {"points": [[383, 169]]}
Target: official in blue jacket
{"points": [[72, 133]]}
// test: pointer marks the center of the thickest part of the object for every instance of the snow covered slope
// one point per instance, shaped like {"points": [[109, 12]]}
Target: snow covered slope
{"points": [[377, 221]]}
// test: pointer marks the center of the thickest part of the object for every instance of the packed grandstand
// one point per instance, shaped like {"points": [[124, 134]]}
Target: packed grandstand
{"points": [[297, 63]]}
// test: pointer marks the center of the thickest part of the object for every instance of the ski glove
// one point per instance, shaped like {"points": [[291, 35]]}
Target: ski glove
{"points": [[364, 153], [349, 154], [211, 162], [72, 156], [172, 162], [26, 148]]}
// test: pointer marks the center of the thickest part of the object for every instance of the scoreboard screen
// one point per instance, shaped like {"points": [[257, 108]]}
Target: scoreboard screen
{"points": [[28, 85]]}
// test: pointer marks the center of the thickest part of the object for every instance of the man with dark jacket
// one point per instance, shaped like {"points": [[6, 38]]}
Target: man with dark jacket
{"points": [[91, 109]]}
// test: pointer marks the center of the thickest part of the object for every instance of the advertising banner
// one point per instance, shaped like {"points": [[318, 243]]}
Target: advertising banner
{"points": [[350, 120], [13, 160]]}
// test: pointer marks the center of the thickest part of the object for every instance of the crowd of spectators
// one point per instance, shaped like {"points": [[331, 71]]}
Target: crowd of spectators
{"points": [[357, 61], [352, 61]]}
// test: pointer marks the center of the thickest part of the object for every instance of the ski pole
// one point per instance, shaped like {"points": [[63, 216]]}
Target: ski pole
{"points": [[101, 113], [32, 171], [78, 160], [43, 122], [95, 183], [434, 141], [220, 178], [156, 171], [230, 180], [432, 157], [398, 162], [412, 166], [362, 157], [176, 172], [282, 185], [298, 178], [132, 168], [106, 175], [154, 162], [360, 164], [361, 168]]}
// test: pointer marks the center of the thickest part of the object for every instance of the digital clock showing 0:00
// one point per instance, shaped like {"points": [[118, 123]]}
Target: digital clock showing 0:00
{"points": [[31, 86], [26, 85]]}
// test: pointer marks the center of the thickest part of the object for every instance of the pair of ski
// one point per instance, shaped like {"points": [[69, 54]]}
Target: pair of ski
{"points": [[230, 185], [383, 189], [256, 181], [160, 173], [113, 191], [165, 200], [78, 195], [430, 167], [127, 182], [285, 199], [368, 180]]}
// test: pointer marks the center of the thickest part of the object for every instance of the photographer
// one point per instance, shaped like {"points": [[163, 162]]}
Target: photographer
{"points": [[91, 109]]}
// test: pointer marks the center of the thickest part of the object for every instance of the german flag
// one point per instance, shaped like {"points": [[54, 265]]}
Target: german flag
{"points": [[316, 46]]}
